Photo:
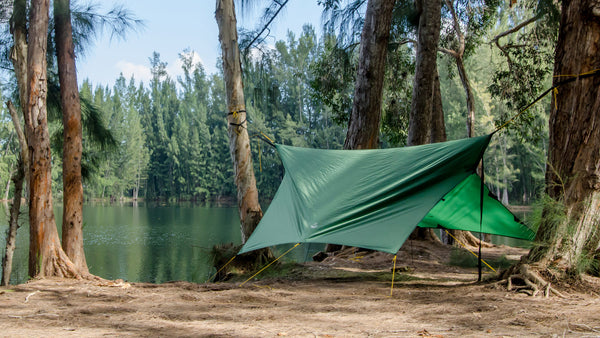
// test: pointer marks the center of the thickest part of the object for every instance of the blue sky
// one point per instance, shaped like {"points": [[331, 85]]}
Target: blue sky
{"points": [[173, 26]]}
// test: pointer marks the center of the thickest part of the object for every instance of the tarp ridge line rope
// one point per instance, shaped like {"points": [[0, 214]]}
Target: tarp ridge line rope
{"points": [[553, 88]]}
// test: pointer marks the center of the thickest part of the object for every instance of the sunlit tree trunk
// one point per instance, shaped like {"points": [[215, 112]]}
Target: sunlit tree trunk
{"points": [[363, 127], [72, 223], [573, 169], [239, 142], [46, 257]]}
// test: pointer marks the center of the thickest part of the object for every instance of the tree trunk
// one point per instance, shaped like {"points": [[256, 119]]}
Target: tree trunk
{"points": [[239, 142], [458, 55], [72, 222], [464, 79], [438, 125], [18, 56], [363, 127], [46, 257], [426, 122], [573, 169], [7, 188], [13, 224], [424, 109]]}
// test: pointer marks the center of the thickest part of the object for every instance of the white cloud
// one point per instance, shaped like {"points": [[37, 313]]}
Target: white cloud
{"points": [[174, 68], [139, 72], [143, 73]]}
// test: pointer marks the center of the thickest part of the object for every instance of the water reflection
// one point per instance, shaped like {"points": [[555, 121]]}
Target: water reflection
{"points": [[144, 243]]}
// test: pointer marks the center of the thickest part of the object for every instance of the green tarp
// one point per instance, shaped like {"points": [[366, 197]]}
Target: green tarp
{"points": [[375, 198]]}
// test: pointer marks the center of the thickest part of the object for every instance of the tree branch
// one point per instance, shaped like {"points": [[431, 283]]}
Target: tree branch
{"points": [[266, 26], [514, 29], [461, 37], [450, 52], [17, 124]]}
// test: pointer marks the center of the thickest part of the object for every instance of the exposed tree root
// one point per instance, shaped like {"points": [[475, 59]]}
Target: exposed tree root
{"points": [[469, 240], [522, 278]]}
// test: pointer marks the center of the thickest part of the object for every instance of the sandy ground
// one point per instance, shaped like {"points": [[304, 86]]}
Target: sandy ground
{"points": [[345, 296]]}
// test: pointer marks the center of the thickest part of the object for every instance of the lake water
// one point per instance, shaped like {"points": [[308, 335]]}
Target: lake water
{"points": [[144, 244], [155, 243]]}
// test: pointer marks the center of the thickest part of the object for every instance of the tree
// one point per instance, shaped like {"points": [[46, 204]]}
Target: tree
{"points": [[72, 222], [239, 142], [46, 257], [425, 91], [426, 122], [569, 235], [572, 170], [467, 22], [363, 127]]}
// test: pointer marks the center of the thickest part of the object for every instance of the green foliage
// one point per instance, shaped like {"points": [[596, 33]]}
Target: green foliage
{"points": [[524, 62], [334, 76], [552, 213]]}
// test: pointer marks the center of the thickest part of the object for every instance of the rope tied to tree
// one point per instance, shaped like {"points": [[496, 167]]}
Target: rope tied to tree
{"points": [[554, 89]]}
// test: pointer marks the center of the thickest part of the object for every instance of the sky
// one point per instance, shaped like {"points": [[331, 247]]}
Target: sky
{"points": [[170, 27]]}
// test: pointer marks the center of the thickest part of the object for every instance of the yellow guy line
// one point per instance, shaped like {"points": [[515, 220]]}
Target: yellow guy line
{"points": [[576, 75], [474, 254], [268, 265], [267, 137], [223, 267]]}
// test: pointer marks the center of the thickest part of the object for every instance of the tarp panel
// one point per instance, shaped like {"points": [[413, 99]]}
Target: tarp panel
{"points": [[367, 198], [460, 210]]}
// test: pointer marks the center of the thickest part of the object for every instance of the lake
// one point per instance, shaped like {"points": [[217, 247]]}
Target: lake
{"points": [[147, 243], [155, 243], [144, 244]]}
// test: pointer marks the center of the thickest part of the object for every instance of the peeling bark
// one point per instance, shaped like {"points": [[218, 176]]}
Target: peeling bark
{"points": [[46, 257], [72, 222]]}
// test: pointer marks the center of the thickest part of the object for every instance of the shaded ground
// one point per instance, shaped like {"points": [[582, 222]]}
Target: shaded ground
{"points": [[346, 296]]}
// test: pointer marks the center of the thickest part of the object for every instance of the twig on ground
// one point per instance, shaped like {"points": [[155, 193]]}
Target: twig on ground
{"points": [[31, 294]]}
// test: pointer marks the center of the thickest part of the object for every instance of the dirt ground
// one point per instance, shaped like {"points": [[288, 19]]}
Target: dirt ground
{"points": [[344, 296]]}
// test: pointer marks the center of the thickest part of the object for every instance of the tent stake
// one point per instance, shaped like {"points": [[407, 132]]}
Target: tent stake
{"points": [[481, 217], [393, 275]]}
